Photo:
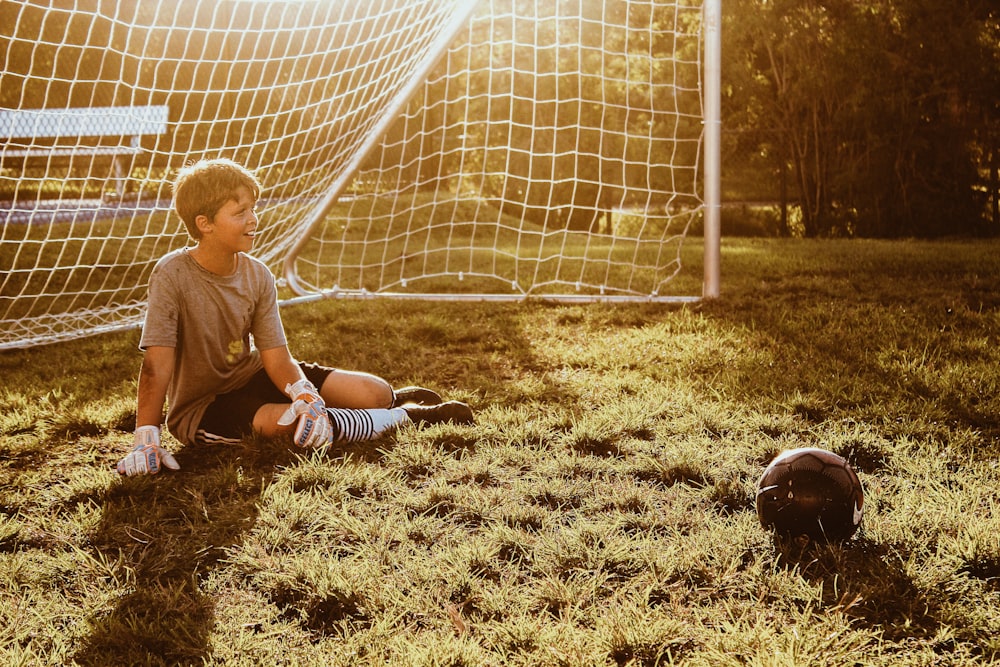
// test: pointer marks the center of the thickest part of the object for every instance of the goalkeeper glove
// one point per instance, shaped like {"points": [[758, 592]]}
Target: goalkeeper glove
{"points": [[147, 456], [314, 428]]}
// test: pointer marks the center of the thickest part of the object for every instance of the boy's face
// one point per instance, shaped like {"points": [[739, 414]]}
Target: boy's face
{"points": [[235, 224]]}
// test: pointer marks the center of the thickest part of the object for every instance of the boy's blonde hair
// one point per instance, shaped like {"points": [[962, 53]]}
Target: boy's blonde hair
{"points": [[203, 187]]}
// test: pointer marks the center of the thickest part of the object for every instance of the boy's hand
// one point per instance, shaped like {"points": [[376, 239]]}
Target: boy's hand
{"points": [[147, 455], [314, 428]]}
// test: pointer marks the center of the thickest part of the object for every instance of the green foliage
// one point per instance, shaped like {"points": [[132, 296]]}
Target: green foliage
{"points": [[600, 512], [880, 117]]}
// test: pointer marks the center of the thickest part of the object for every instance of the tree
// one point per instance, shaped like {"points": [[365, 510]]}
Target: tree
{"points": [[911, 136], [876, 108]]}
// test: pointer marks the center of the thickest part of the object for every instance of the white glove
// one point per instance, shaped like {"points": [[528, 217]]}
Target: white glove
{"points": [[147, 456], [314, 428]]}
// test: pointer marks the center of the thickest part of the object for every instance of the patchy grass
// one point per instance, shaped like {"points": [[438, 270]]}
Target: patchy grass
{"points": [[600, 512]]}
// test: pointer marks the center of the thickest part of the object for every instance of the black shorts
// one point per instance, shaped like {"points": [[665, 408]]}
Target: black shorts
{"points": [[230, 416]]}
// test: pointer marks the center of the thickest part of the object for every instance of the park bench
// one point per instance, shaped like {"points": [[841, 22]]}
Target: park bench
{"points": [[114, 132]]}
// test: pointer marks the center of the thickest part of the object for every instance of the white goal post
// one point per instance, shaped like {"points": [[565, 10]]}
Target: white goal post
{"points": [[417, 149]]}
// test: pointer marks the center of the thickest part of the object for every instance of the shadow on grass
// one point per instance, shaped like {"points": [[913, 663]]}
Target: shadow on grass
{"points": [[866, 581], [166, 534], [161, 539]]}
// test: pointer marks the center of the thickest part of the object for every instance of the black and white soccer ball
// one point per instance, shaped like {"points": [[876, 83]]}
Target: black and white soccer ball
{"points": [[812, 492]]}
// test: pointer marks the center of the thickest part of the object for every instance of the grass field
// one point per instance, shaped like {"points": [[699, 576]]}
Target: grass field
{"points": [[600, 512]]}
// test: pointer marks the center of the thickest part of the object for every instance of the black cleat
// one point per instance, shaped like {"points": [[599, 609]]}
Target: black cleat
{"points": [[451, 411], [416, 395]]}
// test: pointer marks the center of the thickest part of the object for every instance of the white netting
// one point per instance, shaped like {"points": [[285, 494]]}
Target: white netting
{"points": [[499, 148]]}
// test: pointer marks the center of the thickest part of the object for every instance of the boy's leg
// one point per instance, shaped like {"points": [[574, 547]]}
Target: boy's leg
{"points": [[348, 395], [349, 424], [265, 421], [353, 389], [362, 406], [361, 424]]}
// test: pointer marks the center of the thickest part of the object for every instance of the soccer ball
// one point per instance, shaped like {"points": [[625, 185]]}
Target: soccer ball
{"points": [[810, 491]]}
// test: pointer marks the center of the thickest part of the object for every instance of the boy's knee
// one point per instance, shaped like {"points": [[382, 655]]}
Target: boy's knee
{"points": [[382, 395], [356, 390]]}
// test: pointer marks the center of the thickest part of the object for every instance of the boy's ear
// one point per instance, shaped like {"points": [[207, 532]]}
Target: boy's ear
{"points": [[203, 223]]}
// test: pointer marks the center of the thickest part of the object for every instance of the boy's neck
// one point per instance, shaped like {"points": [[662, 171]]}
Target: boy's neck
{"points": [[223, 264]]}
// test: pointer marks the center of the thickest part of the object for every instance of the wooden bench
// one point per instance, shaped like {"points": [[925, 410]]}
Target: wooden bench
{"points": [[94, 131]]}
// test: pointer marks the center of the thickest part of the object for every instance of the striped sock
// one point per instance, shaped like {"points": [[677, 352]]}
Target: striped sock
{"points": [[362, 425]]}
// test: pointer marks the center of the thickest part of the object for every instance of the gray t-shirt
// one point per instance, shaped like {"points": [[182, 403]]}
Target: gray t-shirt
{"points": [[216, 325]]}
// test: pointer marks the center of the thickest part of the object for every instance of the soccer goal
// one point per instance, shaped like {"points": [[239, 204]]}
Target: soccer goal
{"points": [[417, 149]]}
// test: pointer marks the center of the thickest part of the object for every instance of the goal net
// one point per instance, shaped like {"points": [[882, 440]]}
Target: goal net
{"points": [[447, 149]]}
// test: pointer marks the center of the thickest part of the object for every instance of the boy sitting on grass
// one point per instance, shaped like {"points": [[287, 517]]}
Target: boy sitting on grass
{"points": [[205, 304]]}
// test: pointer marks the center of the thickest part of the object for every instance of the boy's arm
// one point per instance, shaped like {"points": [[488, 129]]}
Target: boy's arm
{"points": [[154, 379], [281, 367], [147, 455], [313, 427]]}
